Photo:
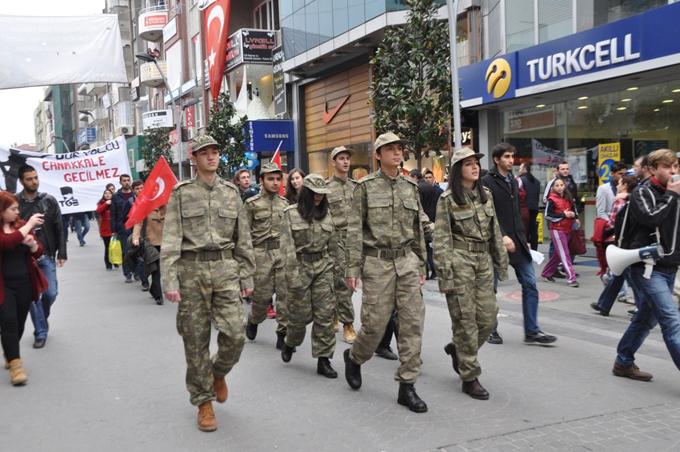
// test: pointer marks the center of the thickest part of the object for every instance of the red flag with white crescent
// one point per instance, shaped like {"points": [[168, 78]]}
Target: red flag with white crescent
{"points": [[276, 160], [216, 28], [156, 192]]}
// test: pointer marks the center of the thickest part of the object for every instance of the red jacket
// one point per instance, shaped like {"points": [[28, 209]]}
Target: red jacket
{"points": [[11, 241], [104, 211], [554, 213]]}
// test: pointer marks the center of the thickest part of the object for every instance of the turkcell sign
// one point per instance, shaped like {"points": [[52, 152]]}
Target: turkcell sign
{"points": [[640, 43]]}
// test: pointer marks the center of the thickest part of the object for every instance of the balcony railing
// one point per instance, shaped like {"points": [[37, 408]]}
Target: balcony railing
{"points": [[149, 75], [151, 21]]}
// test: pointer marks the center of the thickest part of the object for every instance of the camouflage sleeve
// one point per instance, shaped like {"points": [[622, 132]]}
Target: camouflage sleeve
{"points": [[419, 243], [171, 243], [499, 254], [288, 252], [243, 249], [442, 247], [427, 226], [355, 238], [334, 247]]}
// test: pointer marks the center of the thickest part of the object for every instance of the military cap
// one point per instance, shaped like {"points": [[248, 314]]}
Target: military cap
{"points": [[315, 183], [270, 168], [463, 153], [202, 142], [387, 138], [339, 150]]}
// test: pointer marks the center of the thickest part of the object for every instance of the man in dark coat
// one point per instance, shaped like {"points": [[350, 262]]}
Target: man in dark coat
{"points": [[121, 203], [532, 187], [505, 192]]}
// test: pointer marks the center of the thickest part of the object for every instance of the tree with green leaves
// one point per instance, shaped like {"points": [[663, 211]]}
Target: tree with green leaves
{"points": [[230, 132], [156, 144], [411, 86]]}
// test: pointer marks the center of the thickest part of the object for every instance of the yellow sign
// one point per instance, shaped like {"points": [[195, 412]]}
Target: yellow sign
{"points": [[607, 155], [498, 77]]}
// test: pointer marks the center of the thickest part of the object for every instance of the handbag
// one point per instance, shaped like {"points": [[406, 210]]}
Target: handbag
{"points": [[115, 251], [577, 242]]}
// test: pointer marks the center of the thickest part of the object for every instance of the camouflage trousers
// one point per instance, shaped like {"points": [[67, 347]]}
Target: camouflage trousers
{"points": [[313, 302], [388, 285], [473, 309], [343, 296], [269, 278], [210, 296]]}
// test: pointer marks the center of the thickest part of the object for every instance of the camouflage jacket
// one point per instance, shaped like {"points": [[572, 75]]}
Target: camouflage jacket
{"points": [[385, 214], [265, 216], [340, 200], [203, 217], [299, 236], [472, 222]]}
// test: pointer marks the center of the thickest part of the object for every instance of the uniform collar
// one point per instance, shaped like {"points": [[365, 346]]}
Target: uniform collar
{"points": [[202, 183], [386, 177], [342, 181]]}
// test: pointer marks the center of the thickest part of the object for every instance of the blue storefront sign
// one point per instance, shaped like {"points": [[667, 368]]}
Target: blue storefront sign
{"points": [[636, 44], [86, 135], [266, 134]]}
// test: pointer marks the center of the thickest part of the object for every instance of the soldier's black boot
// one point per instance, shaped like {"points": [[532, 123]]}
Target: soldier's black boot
{"points": [[251, 331], [450, 350], [280, 336], [409, 398], [287, 352], [475, 390], [323, 367], [352, 371]]}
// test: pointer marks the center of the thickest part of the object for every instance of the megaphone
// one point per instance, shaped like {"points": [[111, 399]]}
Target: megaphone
{"points": [[619, 259]]}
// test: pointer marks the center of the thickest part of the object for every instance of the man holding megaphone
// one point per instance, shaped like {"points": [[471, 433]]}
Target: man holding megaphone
{"points": [[652, 223]]}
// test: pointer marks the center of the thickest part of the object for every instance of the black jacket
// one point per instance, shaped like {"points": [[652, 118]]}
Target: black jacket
{"points": [[652, 207], [506, 202], [533, 188], [51, 233], [429, 195], [120, 207]]}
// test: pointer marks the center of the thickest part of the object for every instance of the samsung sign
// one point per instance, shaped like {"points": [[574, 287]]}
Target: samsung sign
{"points": [[636, 44]]}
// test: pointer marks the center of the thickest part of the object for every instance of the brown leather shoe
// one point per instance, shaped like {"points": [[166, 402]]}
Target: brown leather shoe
{"points": [[17, 374], [633, 372], [221, 390], [348, 333], [206, 417], [475, 390]]}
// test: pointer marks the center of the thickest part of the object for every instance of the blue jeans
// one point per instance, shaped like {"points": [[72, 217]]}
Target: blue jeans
{"points": [[613, 290], [527, 279], [82, 226], [40, 310], [656, 306]]}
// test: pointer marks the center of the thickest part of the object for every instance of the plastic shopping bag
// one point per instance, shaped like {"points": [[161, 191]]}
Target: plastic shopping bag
{"points": [[115, 251]]}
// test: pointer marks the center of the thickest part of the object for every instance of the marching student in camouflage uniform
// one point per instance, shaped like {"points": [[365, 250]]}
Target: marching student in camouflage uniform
{"points": [[340, 188], [206, 265], [386, 249], [310, 243], [265, 215], [468, 248]]}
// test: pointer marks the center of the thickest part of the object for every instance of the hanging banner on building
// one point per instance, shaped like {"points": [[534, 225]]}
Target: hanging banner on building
{"points": [[216, 27], [607, 155], [39, 51], [279, 81], [76, 179], [250, 46]]}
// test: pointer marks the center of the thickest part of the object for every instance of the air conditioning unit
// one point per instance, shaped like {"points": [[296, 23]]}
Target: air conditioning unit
{"points": [[127, 130]]}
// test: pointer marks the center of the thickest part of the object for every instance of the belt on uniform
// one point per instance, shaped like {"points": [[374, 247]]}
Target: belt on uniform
{"points": [[310, 257], [269, 244], [206, 255], [480, 247], [385, 253]]}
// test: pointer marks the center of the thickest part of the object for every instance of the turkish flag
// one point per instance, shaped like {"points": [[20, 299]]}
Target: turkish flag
{"points": [[216, 30], [276, 160], [156, 192]]}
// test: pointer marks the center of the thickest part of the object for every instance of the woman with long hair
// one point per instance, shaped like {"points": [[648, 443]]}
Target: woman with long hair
{"points": [[294, 184], [104, 215], [309, 242], [21, 281], [468, 250]]}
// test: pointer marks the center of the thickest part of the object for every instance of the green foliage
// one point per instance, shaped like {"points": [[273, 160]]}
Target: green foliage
{"points": [[156, 144], [230, 132], [411, 86]]}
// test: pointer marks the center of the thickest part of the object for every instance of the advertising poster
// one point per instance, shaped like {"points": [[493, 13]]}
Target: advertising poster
{"points": [[607, 155]]}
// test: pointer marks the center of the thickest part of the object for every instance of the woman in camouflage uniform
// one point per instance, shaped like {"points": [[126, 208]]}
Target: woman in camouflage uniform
{"points": [[310, 243], [468, 249]]}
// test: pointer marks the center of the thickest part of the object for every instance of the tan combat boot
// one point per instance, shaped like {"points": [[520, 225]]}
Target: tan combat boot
{"points": [[348, 333], [17, 374], [221, 390], [206, 417]]}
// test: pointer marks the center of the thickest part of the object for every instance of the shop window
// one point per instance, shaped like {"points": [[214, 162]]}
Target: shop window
{"points": [[325, 20], [340, 17], [266, 15], [356, 13], [312, 24], [492, 25], [519, 25], [592, 13], [374, 8], [555, 19]]}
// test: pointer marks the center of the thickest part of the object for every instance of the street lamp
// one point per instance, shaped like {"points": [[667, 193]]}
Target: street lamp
{"points": [[150, 59], [452, 7]]}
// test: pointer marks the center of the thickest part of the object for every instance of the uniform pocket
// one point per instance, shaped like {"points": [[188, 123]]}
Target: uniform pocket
{"points": [[226, 221], [301, 234], [194, 218], [464, 222], [378, 213]]}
